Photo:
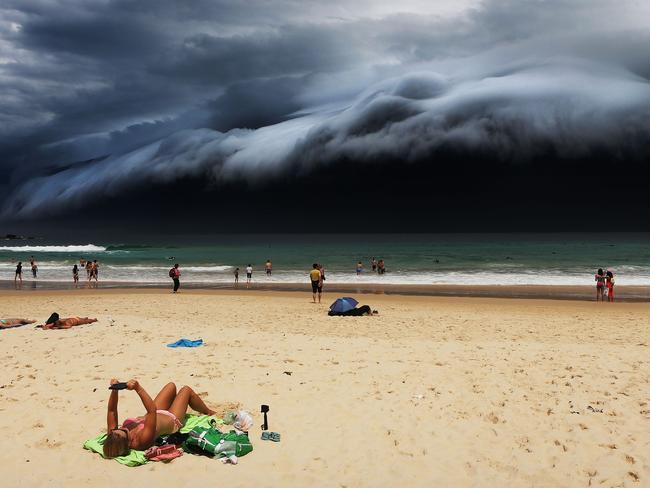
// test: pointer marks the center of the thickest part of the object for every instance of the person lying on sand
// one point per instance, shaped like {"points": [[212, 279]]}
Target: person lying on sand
{"points": [[9, 323], [67, 323], [355, 312], [164, 415]]}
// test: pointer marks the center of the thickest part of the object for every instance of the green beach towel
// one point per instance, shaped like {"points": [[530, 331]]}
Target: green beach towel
{"points": [[135, 457]]}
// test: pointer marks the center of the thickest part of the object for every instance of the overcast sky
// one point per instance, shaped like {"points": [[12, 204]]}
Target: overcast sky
{"points": [[98, 98]]}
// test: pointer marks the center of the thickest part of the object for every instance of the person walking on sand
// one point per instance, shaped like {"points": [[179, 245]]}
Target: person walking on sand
{"points": [[316, 283], [359, 268], [609, 281], [268, 267], [175, 275], [249, 275], [75, 275], [600, 284], [19, 272], [236, 273]]}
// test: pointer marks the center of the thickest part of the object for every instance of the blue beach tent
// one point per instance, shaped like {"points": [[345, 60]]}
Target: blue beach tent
{"points": [[342, 305]]}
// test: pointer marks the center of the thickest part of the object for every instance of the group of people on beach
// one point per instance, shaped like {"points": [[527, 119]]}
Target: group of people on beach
{"points": [[92, 271], [91, 267], [376, 266], [18, 277], [604, 285]]}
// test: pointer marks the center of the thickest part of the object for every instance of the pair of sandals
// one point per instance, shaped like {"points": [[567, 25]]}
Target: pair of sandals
{"points": [[270, 436]]}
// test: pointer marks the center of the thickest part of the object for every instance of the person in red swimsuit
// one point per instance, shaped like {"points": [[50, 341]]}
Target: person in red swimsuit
{"points": [[610, 285], [164, 415]]}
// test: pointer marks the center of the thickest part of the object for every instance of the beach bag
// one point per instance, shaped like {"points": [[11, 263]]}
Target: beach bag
{"points": [[163, 453], [213, 442], [172, 273]]}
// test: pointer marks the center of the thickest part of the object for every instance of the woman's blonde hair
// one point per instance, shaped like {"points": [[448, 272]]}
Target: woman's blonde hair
{"points": [[115, 445]]}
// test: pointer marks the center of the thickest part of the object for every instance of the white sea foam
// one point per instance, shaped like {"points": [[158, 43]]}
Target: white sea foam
{"points": [[221, 274], [68, 249]]}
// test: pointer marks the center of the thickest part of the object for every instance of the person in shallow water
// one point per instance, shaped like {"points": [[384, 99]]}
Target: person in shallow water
{"points": [[19, 272], [164, 415]]}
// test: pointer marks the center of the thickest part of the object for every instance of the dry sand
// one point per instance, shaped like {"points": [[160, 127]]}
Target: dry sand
{"points": [[447, 392]]}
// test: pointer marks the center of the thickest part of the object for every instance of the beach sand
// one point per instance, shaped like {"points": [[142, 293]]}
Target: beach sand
{"points": [[435, 391]]}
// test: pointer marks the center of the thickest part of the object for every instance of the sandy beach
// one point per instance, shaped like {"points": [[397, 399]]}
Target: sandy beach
{"points": [[434, 391]]}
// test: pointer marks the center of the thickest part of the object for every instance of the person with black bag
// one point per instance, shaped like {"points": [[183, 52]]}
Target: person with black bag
{"points": [[175, 275]]}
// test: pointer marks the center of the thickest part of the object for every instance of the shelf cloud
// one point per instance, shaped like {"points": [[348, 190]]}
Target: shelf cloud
{"points": [[99, 103]]}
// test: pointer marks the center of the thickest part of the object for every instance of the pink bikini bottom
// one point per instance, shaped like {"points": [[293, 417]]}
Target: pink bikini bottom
{"points": [[177, 423]]}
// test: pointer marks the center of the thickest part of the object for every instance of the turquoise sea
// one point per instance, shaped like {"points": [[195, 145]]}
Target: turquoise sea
{"points": [[481, 259]]}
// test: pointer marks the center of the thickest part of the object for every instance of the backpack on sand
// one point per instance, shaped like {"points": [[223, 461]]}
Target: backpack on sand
{"points": [[213, 442]]}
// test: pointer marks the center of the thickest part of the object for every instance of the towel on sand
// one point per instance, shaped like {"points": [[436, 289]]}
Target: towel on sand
{"points": [[186, 343], [137, 458]]}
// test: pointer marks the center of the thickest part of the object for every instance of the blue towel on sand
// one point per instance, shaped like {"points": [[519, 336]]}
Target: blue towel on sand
{"points": [[186, 343]]}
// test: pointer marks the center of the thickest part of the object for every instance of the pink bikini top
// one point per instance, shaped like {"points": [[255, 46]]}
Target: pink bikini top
{"points": [[133, 423]]}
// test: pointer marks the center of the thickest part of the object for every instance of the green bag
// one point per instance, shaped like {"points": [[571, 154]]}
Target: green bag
{"points": [[212, 441]]}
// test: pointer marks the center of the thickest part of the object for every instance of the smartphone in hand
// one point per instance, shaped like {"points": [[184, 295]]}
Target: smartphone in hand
{"points": [[118, 386]]}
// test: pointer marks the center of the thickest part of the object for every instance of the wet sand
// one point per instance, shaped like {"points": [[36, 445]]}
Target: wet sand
{"points": [[566, 292]]}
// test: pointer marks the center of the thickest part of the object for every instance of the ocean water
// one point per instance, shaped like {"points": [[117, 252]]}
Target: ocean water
{"points": [[466, 259]]}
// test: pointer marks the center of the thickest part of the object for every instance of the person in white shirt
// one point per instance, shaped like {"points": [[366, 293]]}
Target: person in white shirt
{"points": [[249, 275]]}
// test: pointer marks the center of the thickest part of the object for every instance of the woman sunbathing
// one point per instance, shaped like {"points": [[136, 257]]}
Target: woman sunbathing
{"points": [[165, 415], [67, 323], [9, 323]]}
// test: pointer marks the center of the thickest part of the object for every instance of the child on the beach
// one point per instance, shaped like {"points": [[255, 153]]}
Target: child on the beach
{"points": [[609, 281]]}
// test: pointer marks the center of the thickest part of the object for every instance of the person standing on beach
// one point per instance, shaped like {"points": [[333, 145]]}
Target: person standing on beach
{"points": [[359, 268], [600, 284], [19, 272], [236, 273], [316, 283], [373, 263], [381, 267], [249, 275], [75, 275], [175, 275], [269, 267], [89, 268], [94, 271], [609, 281], [32, 263], [321, 268]]}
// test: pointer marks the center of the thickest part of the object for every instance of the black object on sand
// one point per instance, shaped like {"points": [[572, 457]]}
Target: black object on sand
{"points": [[53, 318], [264, 410]]}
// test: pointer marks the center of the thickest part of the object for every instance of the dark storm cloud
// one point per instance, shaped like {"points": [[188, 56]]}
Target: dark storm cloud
{"points": [[222, 92]]}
